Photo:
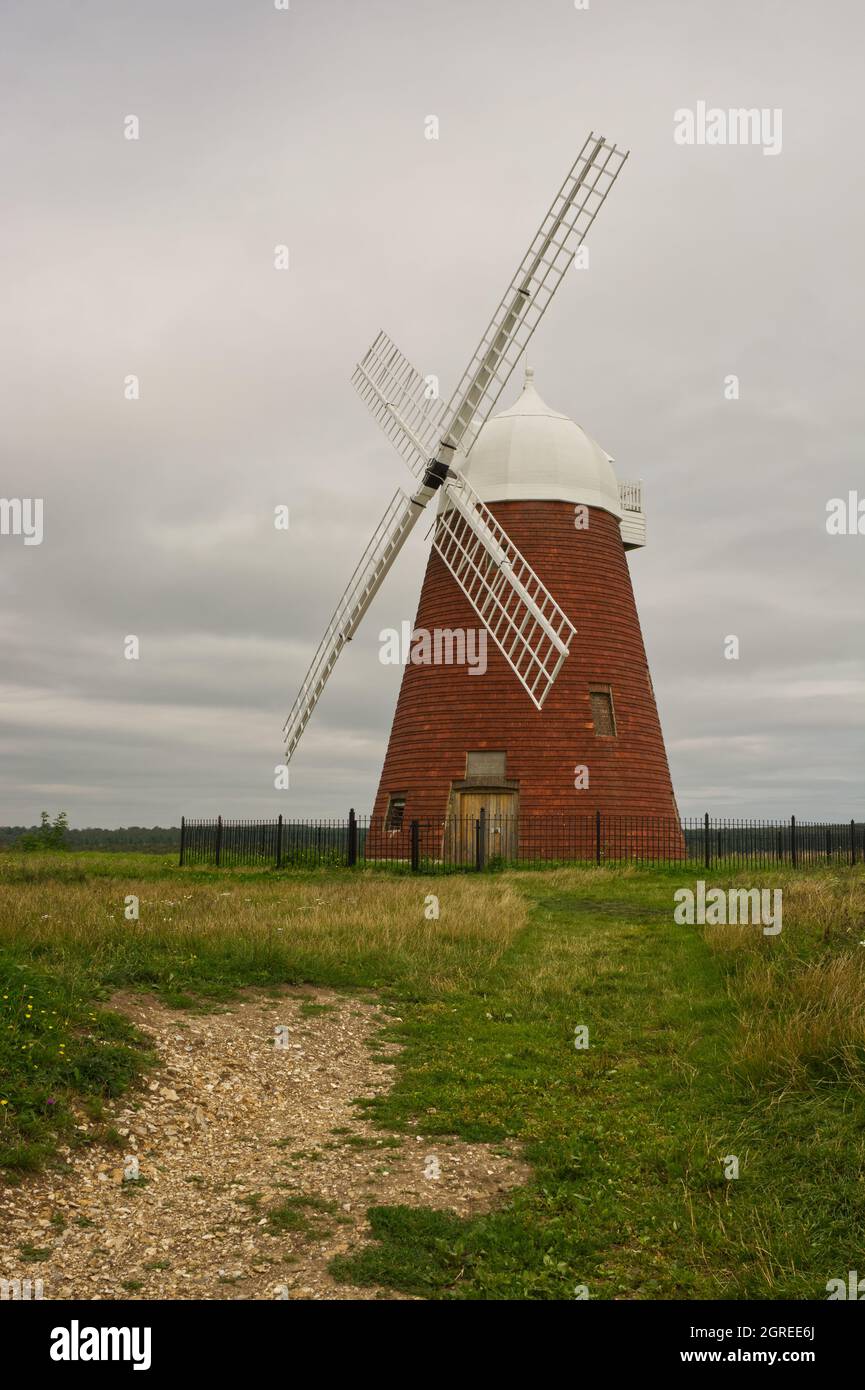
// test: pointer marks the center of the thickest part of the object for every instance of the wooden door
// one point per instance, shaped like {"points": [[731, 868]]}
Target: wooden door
{"points": [[500, 818]]}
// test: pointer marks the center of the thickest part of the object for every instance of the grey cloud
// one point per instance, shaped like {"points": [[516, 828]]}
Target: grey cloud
{"points": [[306, 128]]}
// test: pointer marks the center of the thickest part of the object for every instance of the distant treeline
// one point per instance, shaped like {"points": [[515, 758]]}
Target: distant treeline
{"points": [[157, 839]]}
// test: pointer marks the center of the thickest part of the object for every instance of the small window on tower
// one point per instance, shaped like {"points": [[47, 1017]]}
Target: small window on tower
{"points": [[601, 699], [486, 766], [395, 811]]}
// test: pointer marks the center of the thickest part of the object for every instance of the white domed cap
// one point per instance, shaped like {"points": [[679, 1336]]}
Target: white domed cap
{"points": [[535, 453]]}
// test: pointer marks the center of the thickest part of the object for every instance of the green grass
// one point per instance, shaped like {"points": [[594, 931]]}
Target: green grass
{"points": [[627, 1138], [301, 1213], [56, 1046], [704, 1043], [32, 1253]]}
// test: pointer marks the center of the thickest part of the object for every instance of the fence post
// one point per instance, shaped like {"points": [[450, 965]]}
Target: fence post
{"points": [[794, 858], [481, 833], [183, 836], [597, 837], [414, 840], [279, 842], [852, 842], [218, 840], [352, 838], [707, 844]]}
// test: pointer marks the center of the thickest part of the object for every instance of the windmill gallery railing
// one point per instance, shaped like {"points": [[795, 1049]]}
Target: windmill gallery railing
{"points": [[491, 842]]}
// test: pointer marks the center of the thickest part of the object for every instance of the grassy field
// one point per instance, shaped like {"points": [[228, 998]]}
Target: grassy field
{"points": [[704, 1043]]}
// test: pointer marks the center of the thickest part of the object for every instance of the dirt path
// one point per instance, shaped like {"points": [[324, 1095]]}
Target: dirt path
{"points": [[229, 1127]]}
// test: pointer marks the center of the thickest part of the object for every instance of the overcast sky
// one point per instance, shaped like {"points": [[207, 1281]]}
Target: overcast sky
{"points": [[155, 257]]}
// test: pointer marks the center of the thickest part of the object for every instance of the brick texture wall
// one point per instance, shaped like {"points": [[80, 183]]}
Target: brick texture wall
{"points": [[443, 712]]}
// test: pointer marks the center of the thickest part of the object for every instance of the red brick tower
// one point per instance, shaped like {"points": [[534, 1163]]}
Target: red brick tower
{"points": [[461, 739]]}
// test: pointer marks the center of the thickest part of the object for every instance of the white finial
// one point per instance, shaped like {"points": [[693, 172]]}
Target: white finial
{"points": [[529, 377]]}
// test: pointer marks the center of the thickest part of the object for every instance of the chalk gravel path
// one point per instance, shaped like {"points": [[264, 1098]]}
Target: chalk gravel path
{"points": [[227, 1127]]}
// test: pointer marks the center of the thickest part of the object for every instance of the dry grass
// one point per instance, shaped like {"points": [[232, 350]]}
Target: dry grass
{"points": [[371, 922], [801, 995], [806, 1025]]}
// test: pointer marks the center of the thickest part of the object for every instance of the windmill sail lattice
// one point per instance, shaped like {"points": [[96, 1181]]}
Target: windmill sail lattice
{"points": [[538, 276], [387, 540], [398, 398], [397, 394], [519, 613]]}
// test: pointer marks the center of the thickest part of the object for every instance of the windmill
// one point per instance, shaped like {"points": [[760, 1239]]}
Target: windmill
{"points": [[446, 753], [521, 616]]}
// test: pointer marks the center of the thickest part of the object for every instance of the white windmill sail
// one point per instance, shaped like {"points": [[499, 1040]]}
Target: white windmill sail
{"points": [[537, 277], [387, 540], [399, 399], [519, 613], [397, 394]]}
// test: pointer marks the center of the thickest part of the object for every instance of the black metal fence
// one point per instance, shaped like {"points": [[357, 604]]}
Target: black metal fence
{"points": [[495, 841]]}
